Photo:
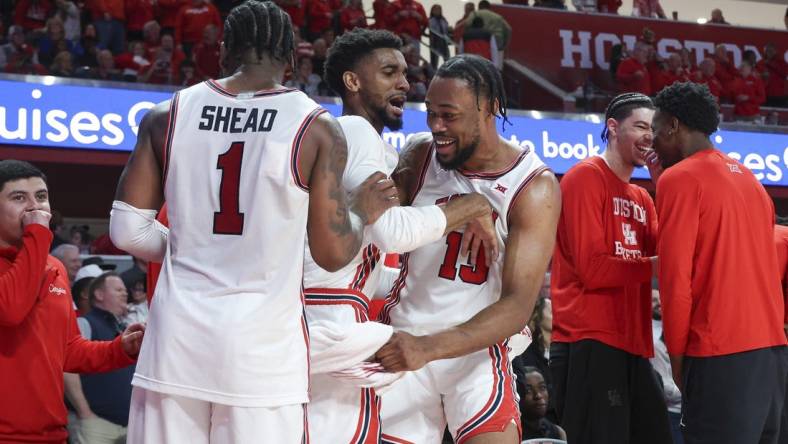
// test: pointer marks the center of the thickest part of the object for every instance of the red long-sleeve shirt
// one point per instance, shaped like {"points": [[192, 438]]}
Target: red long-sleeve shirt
{"points": [[40, 340], [781, 244], [719, 283], [777, 70], [191, 20], [412, 25], [753, 88], [350, 18], [601, 278], [628, 81]]}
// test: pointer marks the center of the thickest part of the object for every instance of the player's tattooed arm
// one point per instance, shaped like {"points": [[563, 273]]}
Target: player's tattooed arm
{"points": [[140, 183], [335, 222]]}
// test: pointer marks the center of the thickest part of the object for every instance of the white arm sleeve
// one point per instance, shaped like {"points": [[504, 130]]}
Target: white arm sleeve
{"points": [[334, 347], [403, 229], [137, 232]]}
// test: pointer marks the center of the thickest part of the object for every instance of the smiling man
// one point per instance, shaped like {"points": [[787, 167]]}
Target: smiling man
{"points": [[455, 311], [601, 290], [40, 339]]}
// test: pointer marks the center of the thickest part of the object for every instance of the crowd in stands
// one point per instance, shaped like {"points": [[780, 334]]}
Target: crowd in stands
{"points": [[747, 86]]}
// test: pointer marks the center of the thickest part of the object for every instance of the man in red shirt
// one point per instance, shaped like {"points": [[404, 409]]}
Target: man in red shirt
{"points": [[774, 71], [40, 338], [632, 75], [748, 93], [601, 290], [705, 75], [192, 19], [720, 289], [408, 18], [725, 70], [319, 14]]}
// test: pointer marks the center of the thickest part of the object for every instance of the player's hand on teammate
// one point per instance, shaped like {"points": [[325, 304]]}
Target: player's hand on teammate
{"points": [[404, 352], [131, 339], [373, 197], [654, 166], [40, 217], [480, 234]]}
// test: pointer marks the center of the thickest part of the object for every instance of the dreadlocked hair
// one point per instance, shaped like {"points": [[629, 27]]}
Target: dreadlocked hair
{"points": [[483, 77], [622, 106], [692, 104], [349, 48], [262, 26]]}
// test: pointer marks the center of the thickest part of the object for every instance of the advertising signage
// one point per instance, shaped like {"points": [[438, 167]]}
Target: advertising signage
{"points": [[101, 118]]}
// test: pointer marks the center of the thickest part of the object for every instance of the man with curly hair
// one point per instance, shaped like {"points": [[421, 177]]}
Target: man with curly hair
{"points": [[719, 285]]}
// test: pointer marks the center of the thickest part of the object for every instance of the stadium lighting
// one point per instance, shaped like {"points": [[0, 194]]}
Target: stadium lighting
{"points": [[702, 21]]}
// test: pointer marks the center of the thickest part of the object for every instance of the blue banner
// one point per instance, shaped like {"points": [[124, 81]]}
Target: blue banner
{"points": [[100, 118]]}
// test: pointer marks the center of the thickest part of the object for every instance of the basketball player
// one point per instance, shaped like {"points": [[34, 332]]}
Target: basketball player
{"points": [[247, 167], [367, 69], [454, 316], [719, 283], [605, 387]]}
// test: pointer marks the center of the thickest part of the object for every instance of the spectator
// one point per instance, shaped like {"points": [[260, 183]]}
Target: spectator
{"points": [[647, 8], [632, 75], [748, 94], [87, 52], [319, 14], [725, 71], [80, 289], [23, 62], [187, 74], [686, 61], [352, 16], [192, 19], [661, 364], [40, 336], [58, 228], [68, 255], [439, 35], [294, 8], [672, 72], [618, 52], [133, 62], [534, 397], [305, 79], [418, 75], [165, 65], [750, 56], [166, 13], [459, 27], [477, 40], [328, 35], [151, 37], [538, 353], [109, 17], [382, 14], [705, 75], [206, 54], [80, 236], [717, 18], [70, 16], [138, 13], [137, 303], [609, 6], [408, 19], [104, 71], [585, 5], [302, 47], [774, 71], [53, 42], [320, 49], [497, 26], [32, 14], [108, 394], [15, 47], [63, 65]]}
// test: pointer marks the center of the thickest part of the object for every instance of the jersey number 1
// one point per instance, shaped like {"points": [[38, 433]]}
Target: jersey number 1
{"points": [[470, 274], [229, 220]]}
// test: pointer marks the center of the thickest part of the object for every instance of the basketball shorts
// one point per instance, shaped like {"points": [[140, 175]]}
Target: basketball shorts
{"points": [[473, 394]]}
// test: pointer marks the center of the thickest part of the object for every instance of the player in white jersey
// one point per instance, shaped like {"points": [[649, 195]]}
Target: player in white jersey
{"points": [[367, 69], [247, 168], [454, 315]]}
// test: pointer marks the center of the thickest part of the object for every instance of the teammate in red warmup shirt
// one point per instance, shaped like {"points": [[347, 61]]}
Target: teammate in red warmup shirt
{"points": [[40, 338], [601, 290], [720, 288]]}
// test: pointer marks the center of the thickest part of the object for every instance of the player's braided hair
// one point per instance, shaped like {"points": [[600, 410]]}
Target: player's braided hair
{"points": [[262, 26], [483, 77], [692, 104], [621, 107], [349, 48]]}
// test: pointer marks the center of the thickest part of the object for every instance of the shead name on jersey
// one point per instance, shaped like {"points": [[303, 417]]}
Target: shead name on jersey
{"points": [[226, 119]]}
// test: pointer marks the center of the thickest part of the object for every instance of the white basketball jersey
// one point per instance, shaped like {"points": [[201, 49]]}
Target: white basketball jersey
{"points": [[226, 324], [437, 287], [367, 154]]}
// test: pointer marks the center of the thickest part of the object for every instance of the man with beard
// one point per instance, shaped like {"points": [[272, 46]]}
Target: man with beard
{"points": [[454, 313], [601, 290], [367, 69], [722, 303]]}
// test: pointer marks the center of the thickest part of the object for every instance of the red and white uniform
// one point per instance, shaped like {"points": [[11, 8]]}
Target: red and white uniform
{"points": [[342, 411], [438, 289], [226, 324]]}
